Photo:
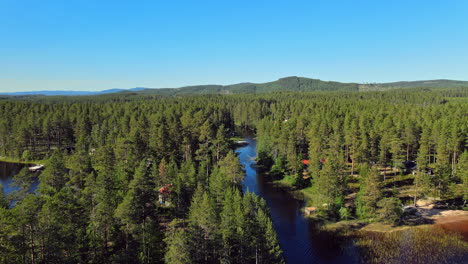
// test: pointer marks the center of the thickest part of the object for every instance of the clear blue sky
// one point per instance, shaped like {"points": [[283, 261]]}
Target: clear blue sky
{"points": [[96, 45]]}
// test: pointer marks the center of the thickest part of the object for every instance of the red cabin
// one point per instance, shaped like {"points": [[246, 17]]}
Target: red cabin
{"points": [[165, 189]]}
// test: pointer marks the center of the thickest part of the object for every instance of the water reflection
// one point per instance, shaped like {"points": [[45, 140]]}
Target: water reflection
{"points": [[299, 240], [7, 172]]}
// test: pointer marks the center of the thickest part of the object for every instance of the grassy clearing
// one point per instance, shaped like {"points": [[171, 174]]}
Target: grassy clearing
{"points": [[307, 194], [423, 244], [381, 227], [236, 139], [287, 181]]}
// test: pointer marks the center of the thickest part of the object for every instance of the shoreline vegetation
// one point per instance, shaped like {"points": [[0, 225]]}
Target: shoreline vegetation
{"points": [[429, 214], [432, 215], [21, 161], [443, 231]]}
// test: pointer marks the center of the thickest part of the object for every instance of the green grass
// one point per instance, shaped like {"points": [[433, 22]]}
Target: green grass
{"points": [[288, 181], [308, 194], [236, 139], [412, 245]]}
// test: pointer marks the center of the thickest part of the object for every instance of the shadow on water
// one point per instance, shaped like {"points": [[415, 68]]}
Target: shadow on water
{"points": [[300, 241], [8, 170]]}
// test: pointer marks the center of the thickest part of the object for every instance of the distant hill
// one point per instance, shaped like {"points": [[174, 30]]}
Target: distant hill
{"points": [[288, 84], [302, 84], [299, 84], [70, 93]]}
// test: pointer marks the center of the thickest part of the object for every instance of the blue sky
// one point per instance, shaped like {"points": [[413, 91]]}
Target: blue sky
{"points": [[96, 45]]}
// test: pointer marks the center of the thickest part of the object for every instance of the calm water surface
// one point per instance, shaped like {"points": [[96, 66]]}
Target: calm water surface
{"points": [[299, 240], [7, 171]]}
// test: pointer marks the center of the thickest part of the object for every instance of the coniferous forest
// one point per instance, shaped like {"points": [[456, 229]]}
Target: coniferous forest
{"points": [[141, 178]]}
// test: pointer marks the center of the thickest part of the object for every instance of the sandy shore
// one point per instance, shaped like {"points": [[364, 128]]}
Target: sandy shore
{"points": [[450, 217], [455, 220], [441, 215]]}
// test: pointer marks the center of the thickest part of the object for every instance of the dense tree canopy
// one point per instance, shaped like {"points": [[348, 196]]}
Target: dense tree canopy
{"points": [[151, 179]]}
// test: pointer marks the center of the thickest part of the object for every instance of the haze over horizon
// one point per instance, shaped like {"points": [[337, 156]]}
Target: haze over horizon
{"points": [[88, 46]]}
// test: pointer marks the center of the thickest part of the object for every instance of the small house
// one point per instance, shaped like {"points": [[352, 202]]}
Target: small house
{"points": [[310, 210], [164, 193], [409, 166]]}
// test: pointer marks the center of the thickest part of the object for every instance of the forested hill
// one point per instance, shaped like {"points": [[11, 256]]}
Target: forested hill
{"points": [[301, 84], [287, 84], [284, 84]]}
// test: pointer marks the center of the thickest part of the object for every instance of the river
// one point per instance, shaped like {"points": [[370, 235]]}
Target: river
{"points": [[299, 240], [8, 170]]}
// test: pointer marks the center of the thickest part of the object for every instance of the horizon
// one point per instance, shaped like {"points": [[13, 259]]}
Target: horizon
{"points": [[88, 46], [142, 87]]}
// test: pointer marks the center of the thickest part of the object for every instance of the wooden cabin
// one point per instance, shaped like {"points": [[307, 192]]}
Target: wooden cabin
{"points": [[310, 210], [164, 194]]}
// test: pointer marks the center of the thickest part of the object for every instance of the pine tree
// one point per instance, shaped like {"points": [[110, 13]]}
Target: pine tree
{"points": [[101, 228], [462, 172], [327, 187], [55, 176], [178, 249], [422, 185], [269, 249], [137, 211], [3, 200], [389, 210], [204, 151], [204, 225], [369, 193], [220, 143], [231, 168], [228, 228], [81, 168], [9, 235], [62, 226], [218, 184], [186, 181]]}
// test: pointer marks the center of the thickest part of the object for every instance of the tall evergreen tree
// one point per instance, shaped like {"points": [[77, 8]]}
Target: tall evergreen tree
{"points": [[369, 193]]}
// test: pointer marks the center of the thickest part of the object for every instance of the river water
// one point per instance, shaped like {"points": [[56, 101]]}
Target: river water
{"points": [[8, 170], [299, 240]]}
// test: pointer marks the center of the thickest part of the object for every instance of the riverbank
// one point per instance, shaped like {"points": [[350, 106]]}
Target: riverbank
{"points": [[287, 184], [418, 244], [426, 216], [444, 240], [297, 236], [451, 218], [13, 160]]}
